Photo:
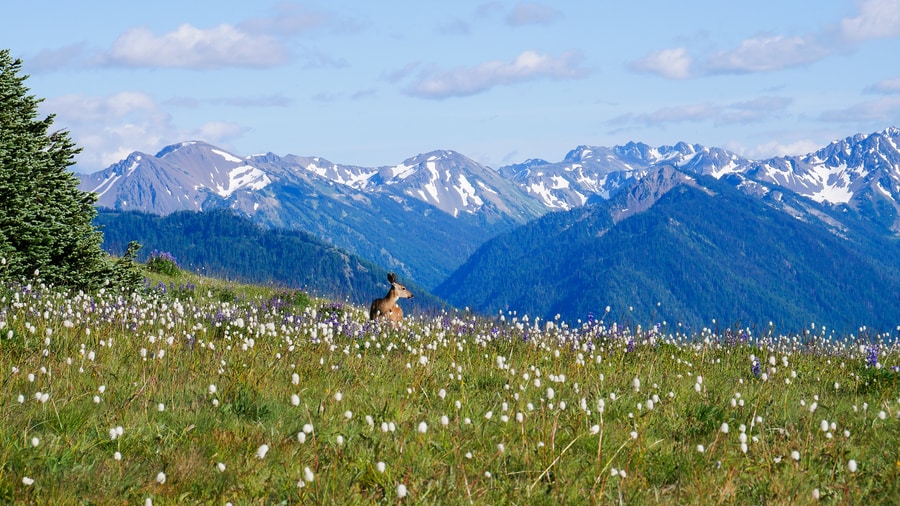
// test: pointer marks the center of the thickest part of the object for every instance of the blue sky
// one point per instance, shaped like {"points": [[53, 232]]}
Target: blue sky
{"points": [[374, 83]]}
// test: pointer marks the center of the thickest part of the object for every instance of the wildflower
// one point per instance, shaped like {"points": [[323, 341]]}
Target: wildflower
{"points": [[161, 477], [213, 389], [117, 456], [380, 467], [338, 396], [160, 407], [295, 400], [35, 442], [262, 451], [815, 494], [401, 491], [423, 427], [724, 428], [308, 475], [348, 414], [221, 467], [795, 455], [27, 481], [700, 448], [851, 466], [595, 429], [872, 356]]}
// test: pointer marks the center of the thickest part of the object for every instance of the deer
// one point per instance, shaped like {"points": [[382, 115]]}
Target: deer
{"points": [[387, 307]]}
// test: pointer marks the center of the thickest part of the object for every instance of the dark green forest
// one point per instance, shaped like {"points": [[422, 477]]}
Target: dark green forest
{"points": [[222, 244]]}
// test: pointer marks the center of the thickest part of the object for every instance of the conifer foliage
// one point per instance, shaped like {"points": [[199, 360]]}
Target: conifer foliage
{"points": [[45, 220]]}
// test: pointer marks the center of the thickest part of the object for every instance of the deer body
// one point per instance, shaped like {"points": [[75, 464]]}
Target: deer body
{"points": [[387, 307]]}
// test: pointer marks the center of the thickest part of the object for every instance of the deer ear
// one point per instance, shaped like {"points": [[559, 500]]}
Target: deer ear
{"points": [[392, 278]]}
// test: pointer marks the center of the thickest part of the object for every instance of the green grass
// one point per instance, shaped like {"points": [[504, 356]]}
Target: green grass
{"points": [[493, 431]]}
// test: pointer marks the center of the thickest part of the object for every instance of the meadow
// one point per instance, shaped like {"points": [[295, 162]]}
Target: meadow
{"points": [[201, 391]]}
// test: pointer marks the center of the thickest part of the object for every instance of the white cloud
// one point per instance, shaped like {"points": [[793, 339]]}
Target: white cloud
{"points": [[191, 47], [530, 13], [109, 128], [669, 63], [85, 109], [773, 149], [768, 53], [527, 66], [877, 19], [773, 52]]}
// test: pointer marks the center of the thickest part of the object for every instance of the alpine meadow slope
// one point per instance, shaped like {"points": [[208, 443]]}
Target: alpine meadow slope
{"points": [[229, 246]]}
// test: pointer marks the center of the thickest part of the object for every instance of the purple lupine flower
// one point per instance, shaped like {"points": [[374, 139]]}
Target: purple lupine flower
{"points": [[872, 355]]}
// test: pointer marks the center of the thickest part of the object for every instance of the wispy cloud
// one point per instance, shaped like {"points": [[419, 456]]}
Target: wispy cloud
{"points": [[289, 19], [877, 19], [532, 13], [767, 53], [463, 81], [887, 87], [773, 52], [670, 63], [277, 100], [53, 59], [454, 26], [882, 110], [750, 111]]}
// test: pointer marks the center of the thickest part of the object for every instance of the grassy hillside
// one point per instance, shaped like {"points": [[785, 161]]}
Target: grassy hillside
{"points": [[197, 391], [229, 246]]}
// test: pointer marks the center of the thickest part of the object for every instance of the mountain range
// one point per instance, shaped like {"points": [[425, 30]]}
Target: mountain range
{"points": [[433, 216]]}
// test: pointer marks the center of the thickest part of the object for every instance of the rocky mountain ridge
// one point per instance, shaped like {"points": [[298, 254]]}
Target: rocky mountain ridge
{"points": [[392, 215]]}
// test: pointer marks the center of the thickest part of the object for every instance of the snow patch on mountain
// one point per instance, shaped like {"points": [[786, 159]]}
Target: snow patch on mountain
{"points": [[244, 177], [227, 156]]}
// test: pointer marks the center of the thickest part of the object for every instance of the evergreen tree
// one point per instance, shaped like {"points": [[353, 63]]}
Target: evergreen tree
{"points": [[45, 220]]}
